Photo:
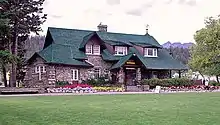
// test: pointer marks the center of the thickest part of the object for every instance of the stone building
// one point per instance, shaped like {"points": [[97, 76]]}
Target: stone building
{"points": [[77, 55]]}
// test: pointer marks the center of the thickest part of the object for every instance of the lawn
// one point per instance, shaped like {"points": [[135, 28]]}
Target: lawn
{"points": [[149, 109]]}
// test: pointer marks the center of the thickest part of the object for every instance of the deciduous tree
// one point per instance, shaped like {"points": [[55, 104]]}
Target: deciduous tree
{"points": [[207, 49]]}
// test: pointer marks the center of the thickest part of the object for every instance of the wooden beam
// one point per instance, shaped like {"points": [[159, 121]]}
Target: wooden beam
{"points": [[170, 73], [179, 73]]}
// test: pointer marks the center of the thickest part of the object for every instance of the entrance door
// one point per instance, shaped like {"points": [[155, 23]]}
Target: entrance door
{"points": [[130, 76]]}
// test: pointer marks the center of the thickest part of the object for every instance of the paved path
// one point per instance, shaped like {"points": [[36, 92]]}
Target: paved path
{"points": [[98, 93]]}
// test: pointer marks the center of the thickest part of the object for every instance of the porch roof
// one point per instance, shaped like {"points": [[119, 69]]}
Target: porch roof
{"points": [[163, 61], [123, 59]]}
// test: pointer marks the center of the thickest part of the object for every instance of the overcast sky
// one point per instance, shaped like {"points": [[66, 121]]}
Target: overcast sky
{"points": [[169, 20]]}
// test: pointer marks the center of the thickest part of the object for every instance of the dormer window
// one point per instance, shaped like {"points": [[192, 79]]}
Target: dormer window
{"points": [[150, 52], [93, 49], [88, 49], [96, 49], [120, 50]]}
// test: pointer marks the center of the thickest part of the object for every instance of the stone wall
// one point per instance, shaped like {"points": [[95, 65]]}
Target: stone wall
{"points": [[64, 73], [99, 63], [32, 78], [61, 72]]}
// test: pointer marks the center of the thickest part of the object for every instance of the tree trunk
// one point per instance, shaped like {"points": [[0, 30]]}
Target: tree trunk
{"points": [[217, 79], [14, 64], [4, 75]]}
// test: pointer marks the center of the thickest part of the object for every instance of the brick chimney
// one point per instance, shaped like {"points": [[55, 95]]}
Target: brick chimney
{"points": [[102, 27]]}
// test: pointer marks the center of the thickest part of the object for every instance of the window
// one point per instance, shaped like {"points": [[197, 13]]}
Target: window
{"points": [[96, 49], [97, 73], [154, 74], [150, 52], [88, 49], [75, 74], [40, 70], [93, 49], [106, 73], [120, 50]]}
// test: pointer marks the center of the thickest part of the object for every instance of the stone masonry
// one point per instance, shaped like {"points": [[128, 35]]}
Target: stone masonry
{"points": [[60, 72]]}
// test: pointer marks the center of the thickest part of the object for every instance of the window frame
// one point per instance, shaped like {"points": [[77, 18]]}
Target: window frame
{"points": [[40, 70], [154, 52], [75, 77], [95, 73], [124, 50], [94, 47], [91, 49]]}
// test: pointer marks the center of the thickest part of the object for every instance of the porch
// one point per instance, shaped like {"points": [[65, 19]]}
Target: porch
{"points": [[131, 70]]}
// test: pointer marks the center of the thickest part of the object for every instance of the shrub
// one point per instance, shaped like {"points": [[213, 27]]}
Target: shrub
{"points": [[214, 83], [167, 82], [62, 83], [101, 81]]}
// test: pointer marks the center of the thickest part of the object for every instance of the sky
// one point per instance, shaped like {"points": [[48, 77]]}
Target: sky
{"points": [[168, 20]]}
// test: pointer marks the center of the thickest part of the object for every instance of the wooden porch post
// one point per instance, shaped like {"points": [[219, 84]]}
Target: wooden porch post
{"points": [[179, 74], [170, 73]]}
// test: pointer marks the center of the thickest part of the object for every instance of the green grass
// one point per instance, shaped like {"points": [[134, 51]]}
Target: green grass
{"points": [[150, 109]]}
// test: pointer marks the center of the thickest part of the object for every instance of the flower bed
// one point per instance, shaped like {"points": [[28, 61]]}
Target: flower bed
{"points": [[191, 88], [108, 89], [83, 88]]}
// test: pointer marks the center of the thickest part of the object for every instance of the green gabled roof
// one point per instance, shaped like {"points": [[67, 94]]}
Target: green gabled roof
{"points": [[164, 61], [63, 46], [107, 56], [115, 43], [71, 37], [60, 54], [86, 39], [122, 61], [75, 37], [143, 44], [128, 38]]}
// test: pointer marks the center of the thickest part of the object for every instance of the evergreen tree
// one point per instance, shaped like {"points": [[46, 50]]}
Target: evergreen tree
{"points": [[25, 16]]}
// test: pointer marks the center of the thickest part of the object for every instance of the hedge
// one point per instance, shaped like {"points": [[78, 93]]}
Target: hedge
{"points": [[62, 83], [167, 82], [102, 81], [214, 83]]}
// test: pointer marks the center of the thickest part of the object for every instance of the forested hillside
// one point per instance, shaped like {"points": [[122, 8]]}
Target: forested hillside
{"points": [[33, 44]]}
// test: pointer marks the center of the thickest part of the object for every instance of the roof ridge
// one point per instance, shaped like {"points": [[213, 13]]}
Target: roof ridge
{"points": [[70, 29], [99, 31]]}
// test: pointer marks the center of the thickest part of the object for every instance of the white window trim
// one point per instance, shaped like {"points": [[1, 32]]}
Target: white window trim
{"points": [[98, 49], [39, 72], [75, 78], [90, 48], [99, 71], [44, 69], [146, 52], [116, 50]]}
